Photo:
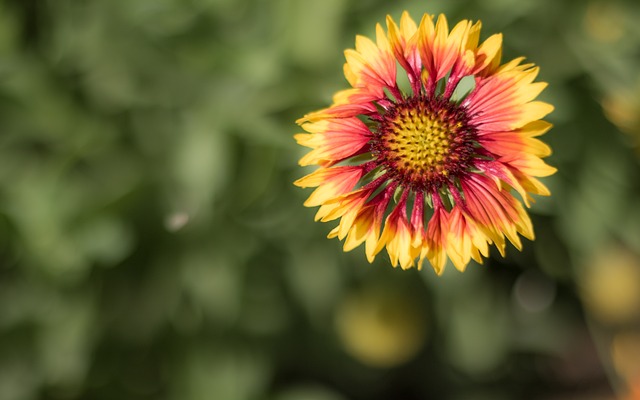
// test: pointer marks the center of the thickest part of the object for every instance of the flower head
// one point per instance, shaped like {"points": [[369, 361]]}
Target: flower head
{"points": [[423, 154]]}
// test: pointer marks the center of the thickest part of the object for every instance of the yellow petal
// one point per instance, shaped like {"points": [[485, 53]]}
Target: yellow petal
{"points": [[535, 110]]}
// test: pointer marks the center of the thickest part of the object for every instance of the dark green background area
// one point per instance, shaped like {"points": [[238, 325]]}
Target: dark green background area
{"points": [[153, 246]]}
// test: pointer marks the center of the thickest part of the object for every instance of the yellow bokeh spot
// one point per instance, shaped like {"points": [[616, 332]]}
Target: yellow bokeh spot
{"points": [[622, 108], [604, 21], [610, 286], [380, 328]]}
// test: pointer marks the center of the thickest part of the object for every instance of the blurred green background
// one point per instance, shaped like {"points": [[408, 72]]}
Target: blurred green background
{"points": [[152, 245]]}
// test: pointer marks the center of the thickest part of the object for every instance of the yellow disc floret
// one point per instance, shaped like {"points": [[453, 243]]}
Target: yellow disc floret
{"points": [[425, 142]]}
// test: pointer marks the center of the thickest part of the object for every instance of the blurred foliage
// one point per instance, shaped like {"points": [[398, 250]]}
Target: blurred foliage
{"points": [[152, 244]]}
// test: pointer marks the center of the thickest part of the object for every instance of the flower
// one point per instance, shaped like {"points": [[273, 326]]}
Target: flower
{"points": [[423, 159]]}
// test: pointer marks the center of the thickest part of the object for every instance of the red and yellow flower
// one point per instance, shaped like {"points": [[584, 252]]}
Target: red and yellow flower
{"points": [[428, 171]]}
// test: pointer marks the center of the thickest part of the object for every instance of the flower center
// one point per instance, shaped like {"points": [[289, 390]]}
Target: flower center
{"points": [[425, 143]]}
